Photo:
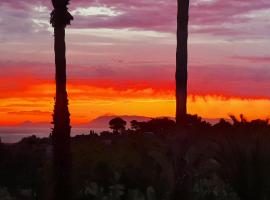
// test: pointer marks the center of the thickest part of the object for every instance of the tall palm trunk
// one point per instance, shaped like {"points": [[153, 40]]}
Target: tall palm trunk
{"points": [[60, 17], [181, 61], [61, 121]]}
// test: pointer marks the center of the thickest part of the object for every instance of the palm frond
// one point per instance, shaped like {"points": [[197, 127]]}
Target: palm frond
{"points": [[60, 16]]}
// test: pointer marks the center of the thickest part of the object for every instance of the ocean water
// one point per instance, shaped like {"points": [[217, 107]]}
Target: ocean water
{"points": [[9, 135]]}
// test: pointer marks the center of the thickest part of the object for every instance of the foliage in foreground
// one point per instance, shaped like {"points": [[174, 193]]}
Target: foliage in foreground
{"points": [[153, 160]]}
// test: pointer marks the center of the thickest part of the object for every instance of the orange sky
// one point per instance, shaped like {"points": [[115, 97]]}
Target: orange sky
{"points": [[121, 59], [87, 102]]}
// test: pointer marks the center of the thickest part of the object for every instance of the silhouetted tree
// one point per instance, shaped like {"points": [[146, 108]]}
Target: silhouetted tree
{"points": [[137, 126], [155, 125], [60, 18], [159, 125], [117, 124], [134, 124], [181, 61]]}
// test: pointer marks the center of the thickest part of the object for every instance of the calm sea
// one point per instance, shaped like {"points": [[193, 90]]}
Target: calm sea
{"points": [[13, 136]]}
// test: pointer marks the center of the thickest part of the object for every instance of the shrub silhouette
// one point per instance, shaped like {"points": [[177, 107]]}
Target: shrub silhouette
{"points": [[244, 157], [118, 125], [157, 125]]}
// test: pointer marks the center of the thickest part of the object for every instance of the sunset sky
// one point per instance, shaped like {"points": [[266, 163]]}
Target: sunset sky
{"points": [[121, 59]]}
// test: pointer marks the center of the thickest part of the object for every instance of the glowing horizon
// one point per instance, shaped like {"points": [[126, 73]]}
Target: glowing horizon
{"points": [[89, 102]]}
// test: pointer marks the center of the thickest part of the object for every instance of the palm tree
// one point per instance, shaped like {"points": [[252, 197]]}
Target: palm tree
{"points": [[60, 18], [181, 61]]}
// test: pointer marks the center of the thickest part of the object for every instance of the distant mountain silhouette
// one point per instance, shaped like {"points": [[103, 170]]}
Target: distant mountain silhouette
{"points": [[27, 127], [103, 121]]}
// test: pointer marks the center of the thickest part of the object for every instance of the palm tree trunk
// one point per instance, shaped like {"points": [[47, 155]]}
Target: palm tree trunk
{"points": [[181, 61], [61, 121]]}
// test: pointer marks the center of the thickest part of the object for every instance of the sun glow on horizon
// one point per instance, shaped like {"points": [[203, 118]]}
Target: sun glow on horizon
{"points": [[89, 102]]}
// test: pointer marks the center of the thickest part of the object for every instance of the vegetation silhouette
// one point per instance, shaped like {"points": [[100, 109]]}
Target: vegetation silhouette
{"points": [[181, 75], [118, 125], [228, 160], [159, 126], [60, 18], [243, 154]]}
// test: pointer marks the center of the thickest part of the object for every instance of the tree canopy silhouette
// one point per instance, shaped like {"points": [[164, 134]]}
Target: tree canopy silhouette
{"points": [[117, 124]]}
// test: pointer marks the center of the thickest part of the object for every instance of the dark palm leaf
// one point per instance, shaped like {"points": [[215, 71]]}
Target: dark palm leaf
{"points": [[60, 15]]}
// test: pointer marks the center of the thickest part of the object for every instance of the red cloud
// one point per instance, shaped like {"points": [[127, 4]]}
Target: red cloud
{"points": [[208, 18], [32, 112], [223, 80]]}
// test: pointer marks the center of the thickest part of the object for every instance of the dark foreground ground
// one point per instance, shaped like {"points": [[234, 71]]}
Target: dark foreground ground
{"points": [[153, 161]]}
